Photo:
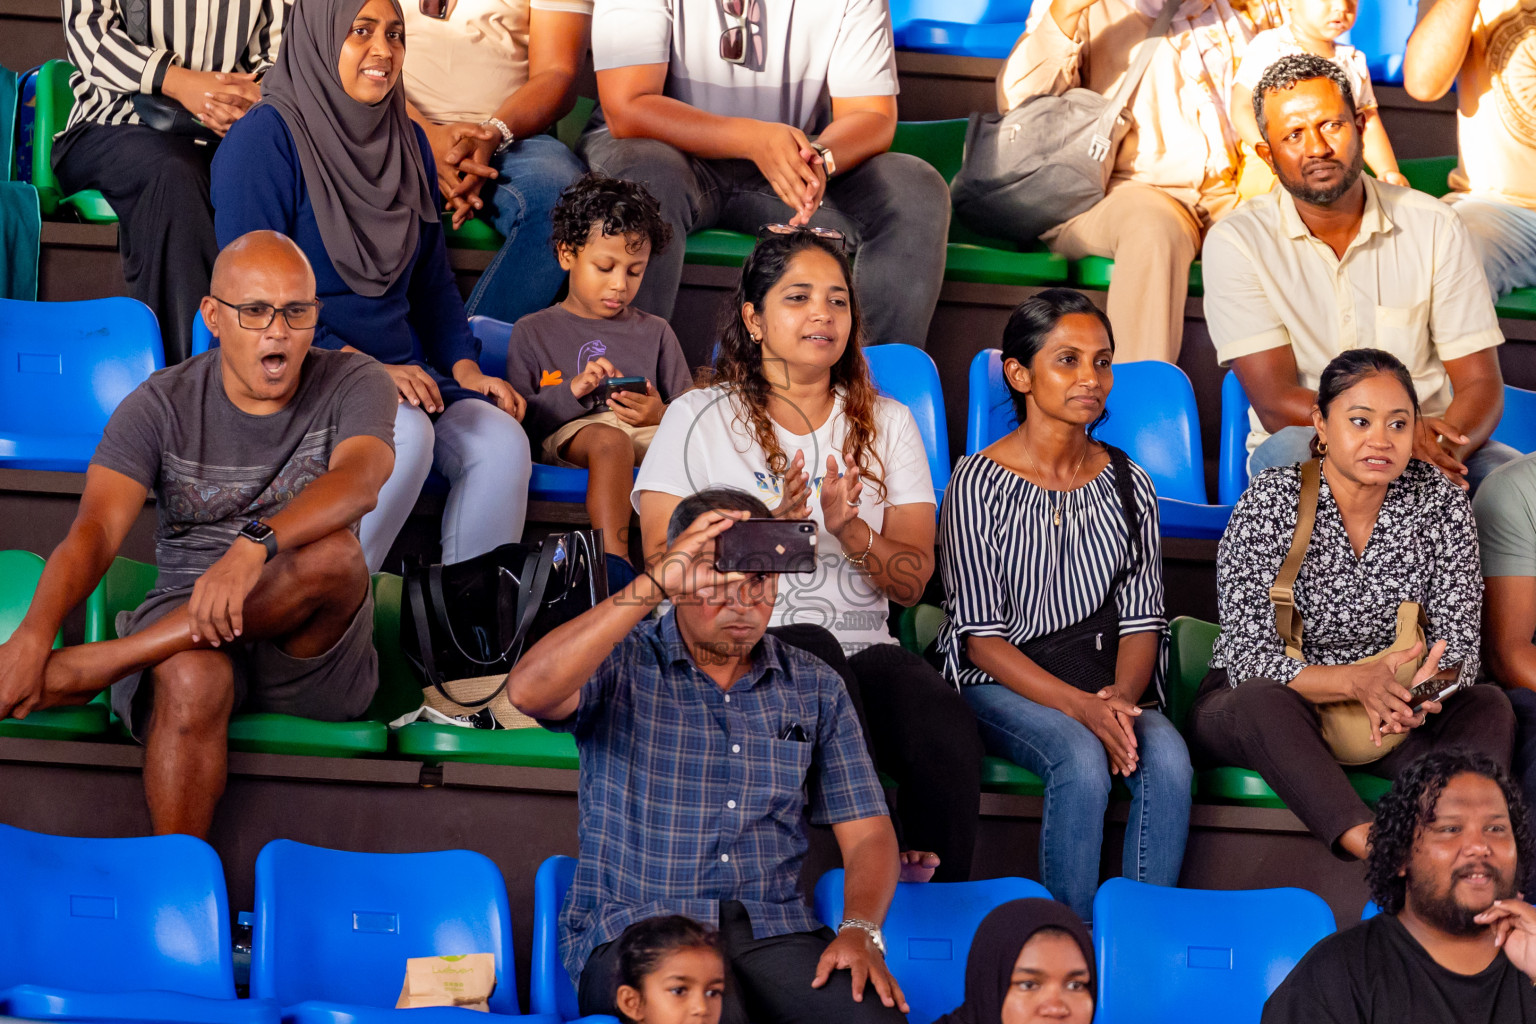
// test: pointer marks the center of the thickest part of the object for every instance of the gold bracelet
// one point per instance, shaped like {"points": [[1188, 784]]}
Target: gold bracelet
{"points": [[858, 563]]}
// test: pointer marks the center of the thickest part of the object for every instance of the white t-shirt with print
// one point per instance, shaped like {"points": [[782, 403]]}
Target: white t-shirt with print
{"points": [[703, 442], [804, 52]]}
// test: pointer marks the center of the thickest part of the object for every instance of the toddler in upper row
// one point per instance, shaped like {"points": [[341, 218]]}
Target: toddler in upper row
{"points": [[1311, 26], [605, 231]]}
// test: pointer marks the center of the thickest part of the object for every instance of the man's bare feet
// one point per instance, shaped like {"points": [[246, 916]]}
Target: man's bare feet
{"points": [[918, 865]]}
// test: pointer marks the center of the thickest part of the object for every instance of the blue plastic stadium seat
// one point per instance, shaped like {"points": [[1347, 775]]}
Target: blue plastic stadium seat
{"points": [[117, 929], [1381, 32], [1232, 462], [1152, 416], [928, 933], [1517, 428], [907, 374], [64, 367], [551, 991], [1168, 956], [993, 40], [334, 930]]}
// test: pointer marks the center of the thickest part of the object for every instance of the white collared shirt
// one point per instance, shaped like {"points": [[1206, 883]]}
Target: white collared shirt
{"points": [[1409, 283]]}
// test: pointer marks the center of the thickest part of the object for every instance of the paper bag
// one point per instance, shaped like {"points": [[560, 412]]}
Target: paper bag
{"points": [[465, 981]]}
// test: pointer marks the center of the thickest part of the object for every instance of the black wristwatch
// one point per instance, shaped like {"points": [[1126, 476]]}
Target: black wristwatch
{"points": [[262, 534]]}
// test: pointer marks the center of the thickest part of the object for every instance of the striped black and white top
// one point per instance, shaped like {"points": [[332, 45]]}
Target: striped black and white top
{"points": [[234, 35], [1009, 571]]}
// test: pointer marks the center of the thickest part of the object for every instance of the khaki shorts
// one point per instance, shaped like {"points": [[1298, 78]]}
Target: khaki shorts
{"points": [[640, 437], [336, 686]]}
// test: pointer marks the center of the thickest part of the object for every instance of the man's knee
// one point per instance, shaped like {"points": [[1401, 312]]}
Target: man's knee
{"points": [[906, 184], [1153, 224], [662, 168], [330, 569], [1485, 721], [194, 692]]}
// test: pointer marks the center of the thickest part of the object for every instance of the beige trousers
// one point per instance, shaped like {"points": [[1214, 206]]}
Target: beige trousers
{"points": [[1153, 238]]}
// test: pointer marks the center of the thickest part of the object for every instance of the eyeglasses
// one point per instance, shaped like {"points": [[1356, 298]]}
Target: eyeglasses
{"points": [[434, 8], [258, 316], [831, 235], [734, 40]]}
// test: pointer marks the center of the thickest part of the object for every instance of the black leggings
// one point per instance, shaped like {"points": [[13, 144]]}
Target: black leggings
{"points": [[921, 733]]}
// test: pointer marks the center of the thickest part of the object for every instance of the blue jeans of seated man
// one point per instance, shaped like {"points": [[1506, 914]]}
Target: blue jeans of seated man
{"points": [[1504, 236], [484, 454], [523, 276], [1071, 761], [1290, 445]]}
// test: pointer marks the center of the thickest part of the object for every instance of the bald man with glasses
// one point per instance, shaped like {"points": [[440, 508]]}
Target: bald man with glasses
{"points": [[263, 454]]}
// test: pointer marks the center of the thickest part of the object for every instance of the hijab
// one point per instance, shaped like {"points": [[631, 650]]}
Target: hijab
{"points": [[995, 949], [362, 164]]}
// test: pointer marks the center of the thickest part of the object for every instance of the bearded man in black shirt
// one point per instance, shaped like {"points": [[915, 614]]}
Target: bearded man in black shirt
{"points": [[1454, 943]]}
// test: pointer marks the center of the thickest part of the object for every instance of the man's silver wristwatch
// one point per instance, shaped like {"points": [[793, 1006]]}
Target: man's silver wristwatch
{"points": [[875, 934], [507, 138], [826, 158]]}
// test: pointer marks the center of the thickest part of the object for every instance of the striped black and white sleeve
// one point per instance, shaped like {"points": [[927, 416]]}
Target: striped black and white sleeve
{"points": [[268, 36], [1140, 600], [975, 578], [99, 46]]}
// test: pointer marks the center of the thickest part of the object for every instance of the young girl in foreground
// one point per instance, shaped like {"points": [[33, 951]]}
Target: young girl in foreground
{"points": [[671, 971]]}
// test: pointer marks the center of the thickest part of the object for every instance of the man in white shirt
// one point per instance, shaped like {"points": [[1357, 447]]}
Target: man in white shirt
{"points": [[1487, 49], [1337, 261], [780, 113]]}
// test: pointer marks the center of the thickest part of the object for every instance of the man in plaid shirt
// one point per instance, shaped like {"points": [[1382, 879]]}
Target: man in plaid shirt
{"points": [[699, 737]]}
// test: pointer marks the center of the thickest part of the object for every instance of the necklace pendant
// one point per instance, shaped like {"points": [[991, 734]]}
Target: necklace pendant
{"points": [[1058, 515]]}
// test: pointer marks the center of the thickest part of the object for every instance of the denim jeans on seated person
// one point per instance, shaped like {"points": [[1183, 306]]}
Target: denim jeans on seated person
{"points": [[1071, 761], [1291, 445], [523, 276], [893, 210]]}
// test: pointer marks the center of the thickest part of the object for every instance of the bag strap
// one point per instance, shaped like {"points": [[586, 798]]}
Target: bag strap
{"points": [[1125, 486], [1102, 145], [1283, 592]]}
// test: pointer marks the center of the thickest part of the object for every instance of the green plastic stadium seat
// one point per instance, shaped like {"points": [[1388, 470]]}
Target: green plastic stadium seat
{"points": [[1429, 173], [123, 588], [1096, 271], [941, 143], [716, 247], [1519, 304], [1189, 660], [999, 776], [527, 748], [19, 573], [918, 626], [54, 101]]}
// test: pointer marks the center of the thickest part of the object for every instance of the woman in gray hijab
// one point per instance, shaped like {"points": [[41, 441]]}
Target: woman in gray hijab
{"points": [[330, 159]]}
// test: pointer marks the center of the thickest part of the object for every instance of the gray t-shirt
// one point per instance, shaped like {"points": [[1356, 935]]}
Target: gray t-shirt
{"points": [[1505, 508], [550, 347], [804, 52], [214, 468]]}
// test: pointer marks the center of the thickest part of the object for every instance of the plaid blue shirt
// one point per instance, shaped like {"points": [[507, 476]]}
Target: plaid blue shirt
{"points": [[688, 796]]}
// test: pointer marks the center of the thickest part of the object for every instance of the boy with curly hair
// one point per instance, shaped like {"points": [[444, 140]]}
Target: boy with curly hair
{"points": [[605, 231]]}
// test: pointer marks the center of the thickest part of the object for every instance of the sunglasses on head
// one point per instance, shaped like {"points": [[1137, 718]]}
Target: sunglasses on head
{"points": [[734, 40], [831, 235], [433, 8]]}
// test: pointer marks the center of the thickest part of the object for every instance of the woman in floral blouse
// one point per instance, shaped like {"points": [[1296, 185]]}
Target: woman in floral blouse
{"points": [[1389, 529]]}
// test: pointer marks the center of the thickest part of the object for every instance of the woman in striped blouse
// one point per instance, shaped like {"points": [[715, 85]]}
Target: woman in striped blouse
{"points": [[1038, 550]]}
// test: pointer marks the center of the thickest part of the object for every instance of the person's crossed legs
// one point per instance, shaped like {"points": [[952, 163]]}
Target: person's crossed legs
{"points": [[305, 603]]}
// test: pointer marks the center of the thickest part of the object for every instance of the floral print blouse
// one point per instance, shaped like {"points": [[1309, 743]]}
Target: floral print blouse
{"points": [[1423, 548]]}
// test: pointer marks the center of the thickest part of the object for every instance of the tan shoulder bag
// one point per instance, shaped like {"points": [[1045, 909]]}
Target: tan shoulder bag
{"points": [[1346, 726]]}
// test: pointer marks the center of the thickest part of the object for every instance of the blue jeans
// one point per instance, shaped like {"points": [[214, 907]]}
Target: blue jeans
{"points": [[524, 276], [1290, 445], [1071, 760], [484, 454], [1504, 236]]}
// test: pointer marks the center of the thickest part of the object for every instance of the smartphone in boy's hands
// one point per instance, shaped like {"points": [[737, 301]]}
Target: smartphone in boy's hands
{"points": [[611, 386]]}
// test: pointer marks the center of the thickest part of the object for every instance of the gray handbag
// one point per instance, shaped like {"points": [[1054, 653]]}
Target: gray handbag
{"points": [[1048, 159]]}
